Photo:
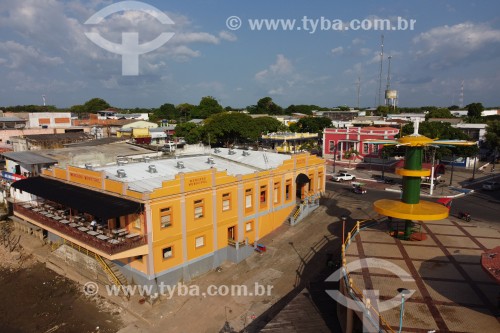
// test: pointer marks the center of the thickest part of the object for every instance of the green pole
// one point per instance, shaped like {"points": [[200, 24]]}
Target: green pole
{"points": [[411, 185]]}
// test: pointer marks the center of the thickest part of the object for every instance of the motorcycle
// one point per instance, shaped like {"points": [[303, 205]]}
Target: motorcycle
{"points": [[464, 216], [358, 190]]}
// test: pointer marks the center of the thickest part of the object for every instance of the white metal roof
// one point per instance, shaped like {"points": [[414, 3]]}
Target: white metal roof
{"points": [[140, 179]]}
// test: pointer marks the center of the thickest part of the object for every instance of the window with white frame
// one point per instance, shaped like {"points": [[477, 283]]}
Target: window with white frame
{"points": [[167, 252], [249, 226], [166, 217], [226, 202], [248, 198], [199, 241], [198, 209]]}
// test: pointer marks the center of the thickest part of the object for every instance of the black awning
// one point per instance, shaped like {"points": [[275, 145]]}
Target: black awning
{"points": [[95, 203]]}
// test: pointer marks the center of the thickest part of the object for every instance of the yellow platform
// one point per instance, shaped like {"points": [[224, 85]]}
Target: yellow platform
{"points": [[413, 173], [424, 210]]}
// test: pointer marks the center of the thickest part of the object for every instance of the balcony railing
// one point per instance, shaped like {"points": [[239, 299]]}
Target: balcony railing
{"points": [[92, 241]]}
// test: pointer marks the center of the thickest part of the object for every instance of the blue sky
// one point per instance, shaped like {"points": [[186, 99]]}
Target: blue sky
{"points": [[44, 51]]}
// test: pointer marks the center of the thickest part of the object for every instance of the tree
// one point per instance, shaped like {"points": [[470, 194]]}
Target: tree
{"points": [[95, 104], [269, 125], [225, 129], [191, 132], [349, 154], [474, 110], [208, 106], [186, 111], [439, 113], [166, 111], [267, 106], [493, 135], [382, 111], [311, 124]]}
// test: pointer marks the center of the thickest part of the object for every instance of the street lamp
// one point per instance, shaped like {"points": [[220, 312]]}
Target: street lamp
{"points": [[403, 292], [343, 218]]}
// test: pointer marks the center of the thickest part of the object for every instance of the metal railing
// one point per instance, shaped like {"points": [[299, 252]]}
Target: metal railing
{"points": [[105, 267], [91, 241], [352, 289]]}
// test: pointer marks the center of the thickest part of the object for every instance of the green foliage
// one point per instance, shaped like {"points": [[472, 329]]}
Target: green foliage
{"points": [[454, 107], [95, 104], [439, 113], [30, 108], [493, 134], [191, 132], [225, 129], [166, 111], [269, 125], [208, 106], [311, 125], [381, 111], [474, 110], [267, 106]]}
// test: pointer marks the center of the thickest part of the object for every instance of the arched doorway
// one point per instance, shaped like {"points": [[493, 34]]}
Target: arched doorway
{"points": [[301, 181]]}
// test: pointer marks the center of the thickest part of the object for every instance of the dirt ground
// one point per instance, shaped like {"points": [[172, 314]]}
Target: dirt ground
{"points": [[36, 299]]}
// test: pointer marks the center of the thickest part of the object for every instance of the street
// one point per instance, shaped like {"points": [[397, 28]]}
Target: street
{"points": [[484, 206]]}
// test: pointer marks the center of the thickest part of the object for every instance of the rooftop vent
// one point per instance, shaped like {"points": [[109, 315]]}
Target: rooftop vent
{"points": [[120, 173], [210, 160], [216, 150], [180, 165], [246, 153], [231, 152], [152, 168], [147, 159], [88, 166]]}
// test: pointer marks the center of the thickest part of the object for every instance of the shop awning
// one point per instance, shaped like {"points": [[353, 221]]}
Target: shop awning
{"points": [[84, 200]]}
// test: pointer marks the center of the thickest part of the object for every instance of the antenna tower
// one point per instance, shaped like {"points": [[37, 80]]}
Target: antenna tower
{"points": [[461, 101], [381, 68]]}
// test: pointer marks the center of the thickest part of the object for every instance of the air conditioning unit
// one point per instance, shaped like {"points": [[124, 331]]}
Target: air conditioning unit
{"points": [[88, 166], [180, 165], [120, 173], [231, 152], [152, 168], [246, 153], [216, 150], [210, 160]]}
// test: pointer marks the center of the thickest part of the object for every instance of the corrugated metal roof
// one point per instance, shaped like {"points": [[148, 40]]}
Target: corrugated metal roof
{"points": [[140, 179], [29, 158]]}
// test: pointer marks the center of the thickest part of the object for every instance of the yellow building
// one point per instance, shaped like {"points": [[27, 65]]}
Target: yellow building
{"points": [[168, 220]]}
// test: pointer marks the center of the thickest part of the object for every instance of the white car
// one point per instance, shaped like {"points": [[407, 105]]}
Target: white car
{"points": [[343, 176], [491, 185]]}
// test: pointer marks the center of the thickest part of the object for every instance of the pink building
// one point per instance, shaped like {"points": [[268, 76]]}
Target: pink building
{"points": [[340, 140]]}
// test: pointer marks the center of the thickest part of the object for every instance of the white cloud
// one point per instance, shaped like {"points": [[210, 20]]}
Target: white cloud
{"points": [[456, 45], [281, 67], [21, 55], [228, 36], [338, 50]]}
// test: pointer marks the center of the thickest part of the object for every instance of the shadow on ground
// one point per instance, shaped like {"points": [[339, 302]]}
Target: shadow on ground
{"points": [[316, 266], [477, 291]]}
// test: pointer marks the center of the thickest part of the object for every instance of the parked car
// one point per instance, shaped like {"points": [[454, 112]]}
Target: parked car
{"points": [[343, 176], [491, 185]]}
